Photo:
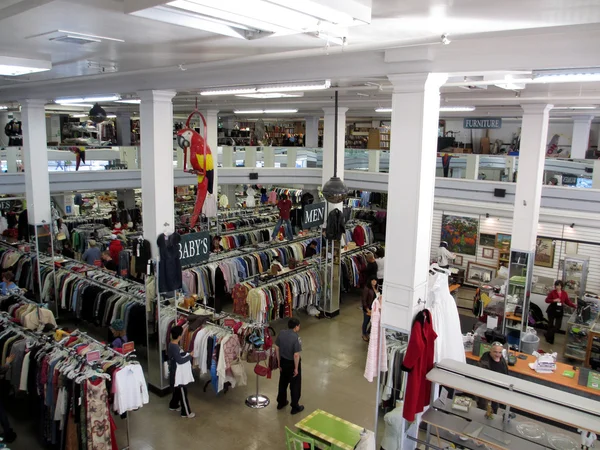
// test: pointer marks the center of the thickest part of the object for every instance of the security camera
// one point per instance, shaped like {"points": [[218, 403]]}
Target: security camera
{"points": [[445, 39]]}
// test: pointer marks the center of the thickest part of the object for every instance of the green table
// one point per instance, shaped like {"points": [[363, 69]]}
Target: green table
{"points": [[329, 428]]}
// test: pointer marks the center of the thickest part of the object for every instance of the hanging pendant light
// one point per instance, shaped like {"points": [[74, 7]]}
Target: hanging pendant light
{"points": [[335, 191]]}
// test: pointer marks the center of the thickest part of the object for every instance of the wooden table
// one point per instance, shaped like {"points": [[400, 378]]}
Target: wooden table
{"points": [[556, 380], [332, 429], [453, 287]]}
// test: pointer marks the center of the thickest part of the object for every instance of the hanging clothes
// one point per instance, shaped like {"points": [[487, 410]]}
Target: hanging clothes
{"points": [[169, 277], [446, 320], [418, 361], [374, 344]]}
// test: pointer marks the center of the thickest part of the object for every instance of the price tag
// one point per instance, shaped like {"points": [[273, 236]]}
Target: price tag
{"points": [[93, 356], [444, 396], [229, 323], [128, 347]]}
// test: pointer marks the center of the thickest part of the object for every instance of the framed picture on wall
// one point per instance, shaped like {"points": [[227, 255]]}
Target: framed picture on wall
{"points": [[571, 248], [503, 240], [458, 260], [544, 252], [488, 253], [487, 240], [460, 233], [479, 273]]}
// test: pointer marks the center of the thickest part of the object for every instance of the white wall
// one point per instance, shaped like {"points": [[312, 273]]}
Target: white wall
{"points": [[504, 225], [505, 134]]}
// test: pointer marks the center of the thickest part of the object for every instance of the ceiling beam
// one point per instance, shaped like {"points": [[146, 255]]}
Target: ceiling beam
{"points": [[20, 7]]}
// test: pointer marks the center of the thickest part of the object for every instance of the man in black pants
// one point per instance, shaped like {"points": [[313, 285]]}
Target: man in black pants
{"points": [[179, 400], [288, 347]]}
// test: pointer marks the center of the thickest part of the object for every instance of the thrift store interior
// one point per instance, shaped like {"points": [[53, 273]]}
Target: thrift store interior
{"points": [[299, 225]]}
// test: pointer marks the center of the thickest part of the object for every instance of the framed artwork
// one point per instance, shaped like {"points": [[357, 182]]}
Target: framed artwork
{"points": [[487, 240], [460, 233], [458, 261], [488, 253], [544, 252], [479, 273], [571, 248], [502, 240]]}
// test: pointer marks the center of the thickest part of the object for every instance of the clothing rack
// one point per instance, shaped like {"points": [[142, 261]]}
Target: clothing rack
{"points": [[312, 262], [246, 229], [137, 297]]}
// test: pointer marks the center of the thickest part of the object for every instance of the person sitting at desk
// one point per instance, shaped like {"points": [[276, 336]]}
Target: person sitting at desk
{"points": [[494, 361], [555, 310]]}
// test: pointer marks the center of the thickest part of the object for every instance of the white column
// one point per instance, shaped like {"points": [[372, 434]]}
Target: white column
{"points": [[156, 128], [123, 129], [227, 160], [4, 119], [472, 172], [374, 157], [269, 156], [596, 175], [511, 163], [328, 141], [212, 129], [292, 154], [35, 161], [311, 137], [528, 196], [250, 157], [415, 115], [11, 158], [581, 136]]}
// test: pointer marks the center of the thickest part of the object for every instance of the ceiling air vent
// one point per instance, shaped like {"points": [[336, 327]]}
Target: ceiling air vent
{"points": [[72, 39]]}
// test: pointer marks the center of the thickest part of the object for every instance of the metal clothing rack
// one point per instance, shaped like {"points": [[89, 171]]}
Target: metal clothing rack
{"points": [[136, 297]]}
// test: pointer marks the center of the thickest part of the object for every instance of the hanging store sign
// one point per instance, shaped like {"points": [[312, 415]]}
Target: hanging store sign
{"points": [[194, 248], [314, 215], [482, 122]]}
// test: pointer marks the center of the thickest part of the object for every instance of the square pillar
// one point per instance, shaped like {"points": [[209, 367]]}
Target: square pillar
{"points": [[596, 175], [472, 172], [374, 157], [511, 164], [35, 160], [528, 194], [581, 136], [11, 158], [415, 115], [227, 156], [292, 154], [269, 156], [156, 136], [328, 146], [311, 138], [124, 129], [250, 157]]}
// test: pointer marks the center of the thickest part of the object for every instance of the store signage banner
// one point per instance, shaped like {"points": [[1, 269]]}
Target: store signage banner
{"points": [[314, 215], [482, 122], [194, 248]]}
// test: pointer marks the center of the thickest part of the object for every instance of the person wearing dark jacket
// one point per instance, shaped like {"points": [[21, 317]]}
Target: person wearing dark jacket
{"points": [[371, 270], [311, 250], [179, 400], [555, 310], [368, 296], [494, 361], [8, 434]]}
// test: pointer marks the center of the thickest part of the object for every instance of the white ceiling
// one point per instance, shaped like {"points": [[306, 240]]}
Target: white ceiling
{"points": [[506, 35]]}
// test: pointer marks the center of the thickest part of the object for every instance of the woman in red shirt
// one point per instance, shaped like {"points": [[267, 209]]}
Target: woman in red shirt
{"points": [[555, 310]]}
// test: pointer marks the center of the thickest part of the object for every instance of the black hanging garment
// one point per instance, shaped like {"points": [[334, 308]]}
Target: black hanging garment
{"points": [[336, 226], [142, 253], [169, 273]]}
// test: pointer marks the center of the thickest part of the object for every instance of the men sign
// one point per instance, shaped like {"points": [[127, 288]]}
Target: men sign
{"points": [[194, 248], [314, 215]]}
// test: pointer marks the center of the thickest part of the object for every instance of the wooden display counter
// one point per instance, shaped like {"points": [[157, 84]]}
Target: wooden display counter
{"points": [[555, 380]]}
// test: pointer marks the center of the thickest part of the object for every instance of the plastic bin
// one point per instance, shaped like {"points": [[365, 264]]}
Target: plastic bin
{"points": [[529, 343]]}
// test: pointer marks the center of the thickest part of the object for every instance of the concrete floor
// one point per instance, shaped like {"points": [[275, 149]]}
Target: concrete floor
{"points": [[333, 362]]}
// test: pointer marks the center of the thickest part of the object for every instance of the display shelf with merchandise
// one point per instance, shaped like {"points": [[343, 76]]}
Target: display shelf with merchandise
{"points": [[517, 297], [574, 276]]}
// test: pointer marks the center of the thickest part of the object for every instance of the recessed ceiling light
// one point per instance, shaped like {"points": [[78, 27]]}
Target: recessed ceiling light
{"points": [[383, 110], [13, 67], [457, 108], [130, 101], [229, 91]]}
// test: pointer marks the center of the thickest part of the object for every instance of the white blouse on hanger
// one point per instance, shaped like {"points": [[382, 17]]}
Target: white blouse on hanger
{"points": [[183, 374]]}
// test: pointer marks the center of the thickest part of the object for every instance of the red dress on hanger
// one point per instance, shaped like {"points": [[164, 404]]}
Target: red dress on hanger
{"points": [[418, 360]]}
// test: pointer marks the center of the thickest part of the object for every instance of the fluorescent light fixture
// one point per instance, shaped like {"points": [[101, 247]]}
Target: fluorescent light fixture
{"points": [[2, 107], [248, 111], [319, 10], [230, 91], [66, 101], [271, 95], [575, 107], [329, 38], [383, 110], [82, 105], [130, 101], [566, 76], [280, 111], [297, 87], [111, 116], [79, 115], [456, 108], [13, 67], [89, 36]]}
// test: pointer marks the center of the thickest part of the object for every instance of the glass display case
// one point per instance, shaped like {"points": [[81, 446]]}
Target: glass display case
{"points": [[578, 332], [517, 297], [574, 275]]}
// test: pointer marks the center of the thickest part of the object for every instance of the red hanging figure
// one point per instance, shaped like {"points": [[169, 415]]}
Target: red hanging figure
{"points": [[201, 160]]}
